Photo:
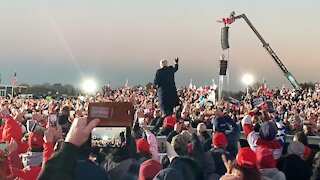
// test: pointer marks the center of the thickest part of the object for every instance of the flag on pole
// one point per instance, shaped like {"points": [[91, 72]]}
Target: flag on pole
{"points": [[264, 83], [14, 80], [190, 85], [127, 83]]}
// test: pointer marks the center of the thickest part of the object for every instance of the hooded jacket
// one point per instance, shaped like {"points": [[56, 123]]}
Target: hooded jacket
{"points": [[272, 174], [294, 168], [11, 129], [126, 170], [232, 137], [29, 172], [187, 167], [86, 169], [216, 155], [168, 174]]}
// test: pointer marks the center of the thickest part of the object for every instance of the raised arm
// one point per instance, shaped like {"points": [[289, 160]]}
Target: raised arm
{"points": [[176, 66], [62, 165], [151, 138], [247, 127]]}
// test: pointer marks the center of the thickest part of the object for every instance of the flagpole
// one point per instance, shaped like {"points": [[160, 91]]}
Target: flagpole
{"points": [[14, 82]]}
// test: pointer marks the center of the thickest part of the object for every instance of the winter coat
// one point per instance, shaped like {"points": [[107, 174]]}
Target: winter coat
{"points": [[168, 174], [11, 129], [188, 168], [67, 165], [216, 155], [254, 140], [28, 172], [294, 168], [166, 91], [272, 174], [233, 136], [125, 170]]}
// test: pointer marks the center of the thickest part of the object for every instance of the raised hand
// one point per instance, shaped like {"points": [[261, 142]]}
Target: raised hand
{"points": [[49, 134], [176, 60], [80, 130], [227, 163]]}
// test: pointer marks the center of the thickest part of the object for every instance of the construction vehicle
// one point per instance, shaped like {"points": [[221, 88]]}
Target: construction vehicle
{"points": [[287, 74]]}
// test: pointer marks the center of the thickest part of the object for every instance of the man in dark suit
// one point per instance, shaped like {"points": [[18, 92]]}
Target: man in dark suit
{"points": [[166, 87]]}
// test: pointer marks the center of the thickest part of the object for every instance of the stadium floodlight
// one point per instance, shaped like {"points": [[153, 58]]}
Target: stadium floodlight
{"points": [[89, 86], [247, 80]]}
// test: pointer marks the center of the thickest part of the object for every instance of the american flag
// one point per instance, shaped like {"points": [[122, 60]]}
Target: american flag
{"points": [[14, 80]]}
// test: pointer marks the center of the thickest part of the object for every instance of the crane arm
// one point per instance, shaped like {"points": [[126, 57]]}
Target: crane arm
{"points": [[287, 74]]}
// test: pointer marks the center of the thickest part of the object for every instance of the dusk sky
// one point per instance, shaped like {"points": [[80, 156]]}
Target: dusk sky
{"points": [[68, 41]]}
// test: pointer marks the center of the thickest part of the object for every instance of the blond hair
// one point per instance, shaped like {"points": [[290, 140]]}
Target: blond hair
{"points": [[163, 63]]}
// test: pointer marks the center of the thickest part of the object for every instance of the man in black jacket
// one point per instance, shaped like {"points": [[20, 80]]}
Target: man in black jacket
{"points": [[166, 87]]}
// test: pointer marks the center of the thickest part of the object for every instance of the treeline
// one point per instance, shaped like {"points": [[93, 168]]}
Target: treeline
{"points": [[56, 89]]}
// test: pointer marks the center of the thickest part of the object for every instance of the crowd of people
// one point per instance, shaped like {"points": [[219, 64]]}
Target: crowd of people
{"points": [[203, 137]]}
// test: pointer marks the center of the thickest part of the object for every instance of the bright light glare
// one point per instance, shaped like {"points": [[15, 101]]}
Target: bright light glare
{"points": [[247, 79], [89, 86]]}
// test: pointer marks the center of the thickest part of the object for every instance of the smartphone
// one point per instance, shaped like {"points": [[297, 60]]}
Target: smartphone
{"points": [[30, 124], [36, 128], [72, 113], [270, 106], [114, 137], [141, 121], [3, 146], [161, 141], [186, 124], [111, 114], [45, 112], [53, 120]]}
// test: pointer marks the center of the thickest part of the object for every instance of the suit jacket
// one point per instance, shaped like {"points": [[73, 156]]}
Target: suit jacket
{"points": [[167, 92]]}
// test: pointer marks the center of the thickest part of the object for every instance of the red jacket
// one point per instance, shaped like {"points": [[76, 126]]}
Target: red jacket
{"points": [[29, 172], [11, 129]]}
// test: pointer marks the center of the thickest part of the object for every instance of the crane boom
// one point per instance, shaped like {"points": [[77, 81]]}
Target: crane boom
{"points": [[287, 74]]}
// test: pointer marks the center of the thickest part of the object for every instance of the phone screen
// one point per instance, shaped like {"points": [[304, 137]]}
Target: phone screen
{"points": [[141, 121], [186, 124], [72, 113], [53, 120], [161, 141], [3, 146], [270, 106], [108, 136]]}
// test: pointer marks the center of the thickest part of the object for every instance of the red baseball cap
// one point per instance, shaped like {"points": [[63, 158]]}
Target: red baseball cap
{"points": [[169, 121], [35, 140], [143, 146], [149, 169], [219, 140], [307, 151], [265, 158], [246, 158]]}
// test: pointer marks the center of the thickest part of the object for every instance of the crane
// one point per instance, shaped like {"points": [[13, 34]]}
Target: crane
{"points": [[266, 45]]}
